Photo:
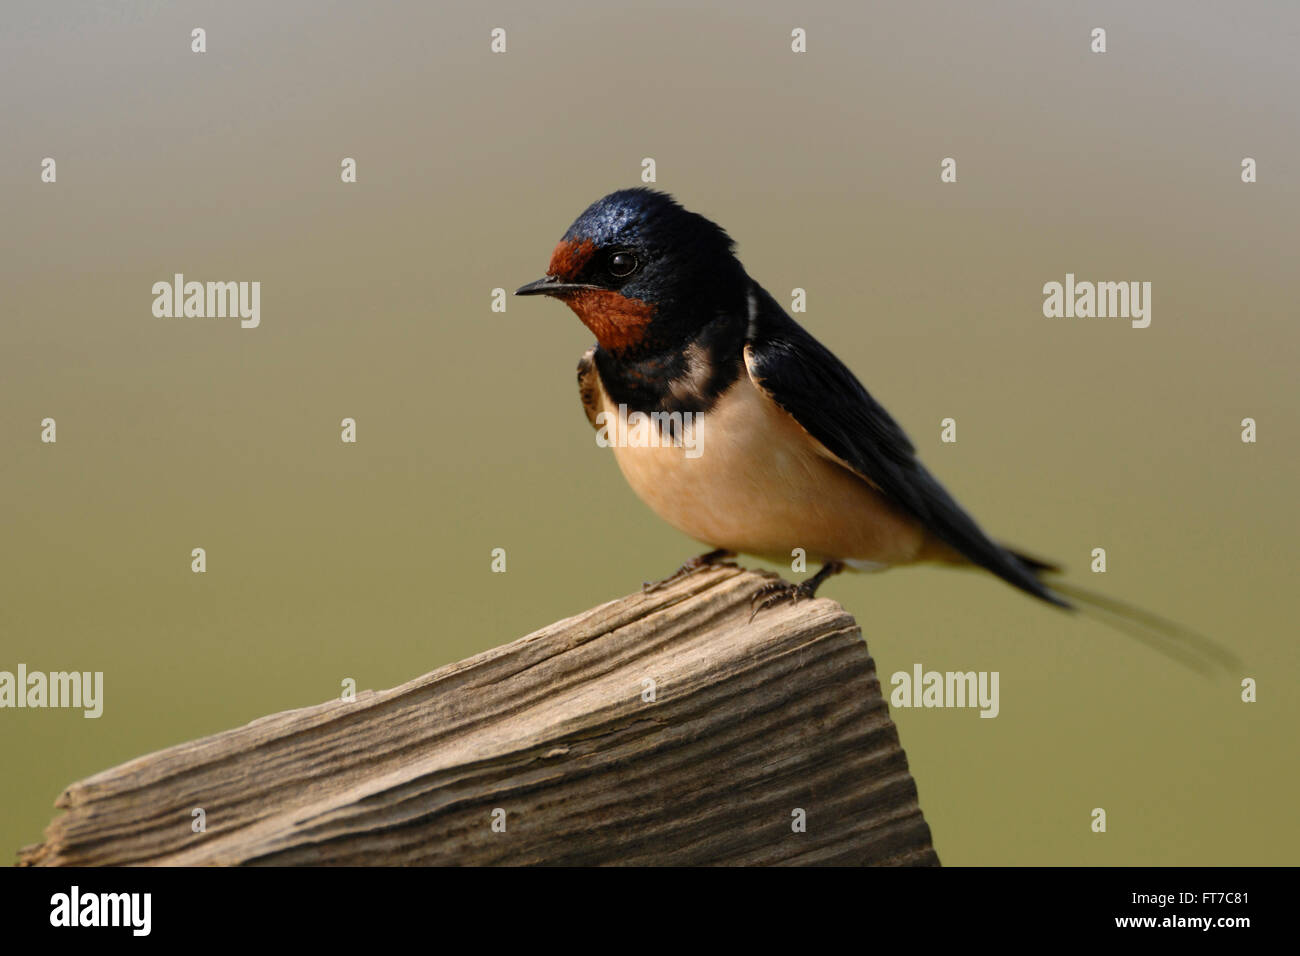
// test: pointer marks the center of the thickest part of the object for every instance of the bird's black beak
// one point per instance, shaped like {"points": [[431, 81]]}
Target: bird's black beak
{"points": [[550, 285]]}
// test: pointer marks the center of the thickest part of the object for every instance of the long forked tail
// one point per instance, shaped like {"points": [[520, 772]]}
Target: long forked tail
{"points": [[1174, 640]]}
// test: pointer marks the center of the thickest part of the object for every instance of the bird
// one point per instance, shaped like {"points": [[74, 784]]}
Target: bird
{"points": [[790, 449]]}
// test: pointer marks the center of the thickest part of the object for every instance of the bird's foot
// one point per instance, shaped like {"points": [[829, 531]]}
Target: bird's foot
{"points": [[712, 559], [779, 592]]}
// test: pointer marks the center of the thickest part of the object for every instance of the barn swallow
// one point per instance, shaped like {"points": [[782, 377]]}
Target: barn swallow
{"points": [[796, 453]]}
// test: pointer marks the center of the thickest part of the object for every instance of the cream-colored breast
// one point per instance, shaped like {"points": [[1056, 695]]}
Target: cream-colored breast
{"points": [[757, 483]]}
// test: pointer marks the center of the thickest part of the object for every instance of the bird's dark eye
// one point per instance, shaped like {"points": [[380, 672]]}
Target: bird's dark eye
{"points": [[622, 264]]}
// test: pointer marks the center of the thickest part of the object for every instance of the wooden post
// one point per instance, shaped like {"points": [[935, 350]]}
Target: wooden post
{"points": [[663, 728]]}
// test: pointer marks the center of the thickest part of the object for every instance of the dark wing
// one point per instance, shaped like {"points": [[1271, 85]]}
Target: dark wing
{"points": [[812, 385]]}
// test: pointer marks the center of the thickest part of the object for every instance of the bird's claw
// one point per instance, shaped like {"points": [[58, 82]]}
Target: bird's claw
{"points": [[776, 593], [713, 559]]}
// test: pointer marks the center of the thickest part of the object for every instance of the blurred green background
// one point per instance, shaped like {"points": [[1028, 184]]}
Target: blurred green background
{"points": [[328, 561]]}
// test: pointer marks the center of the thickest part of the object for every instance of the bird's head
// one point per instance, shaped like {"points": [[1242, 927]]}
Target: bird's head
{"points": [[642, 273]]}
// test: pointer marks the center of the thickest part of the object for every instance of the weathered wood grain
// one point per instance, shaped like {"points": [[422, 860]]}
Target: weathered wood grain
{"points": [[750, 722]]}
